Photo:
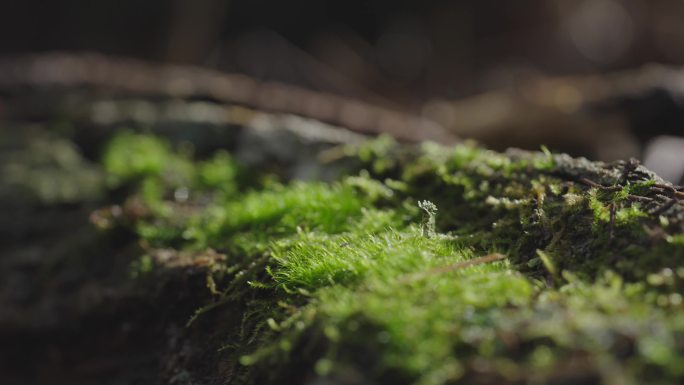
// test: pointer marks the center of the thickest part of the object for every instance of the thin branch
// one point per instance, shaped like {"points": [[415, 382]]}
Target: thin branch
{"points": [[455, 266]]}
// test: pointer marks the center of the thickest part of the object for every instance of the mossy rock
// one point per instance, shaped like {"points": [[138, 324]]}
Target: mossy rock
{"points": [[419, 265]]}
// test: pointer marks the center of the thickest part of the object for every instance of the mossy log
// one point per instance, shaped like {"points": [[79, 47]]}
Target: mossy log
{"points": [[163, 266]]}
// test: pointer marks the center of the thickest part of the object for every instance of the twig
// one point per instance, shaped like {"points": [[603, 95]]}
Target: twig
{"points": [[591, 183], [456, 266], [665, 207], [611, 224], [639, 198]]}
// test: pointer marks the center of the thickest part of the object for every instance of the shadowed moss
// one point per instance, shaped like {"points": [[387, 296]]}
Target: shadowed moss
{"points": [[48, 170]]}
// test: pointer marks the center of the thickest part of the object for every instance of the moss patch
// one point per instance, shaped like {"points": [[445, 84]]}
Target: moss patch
{"points": [[425, 265]]}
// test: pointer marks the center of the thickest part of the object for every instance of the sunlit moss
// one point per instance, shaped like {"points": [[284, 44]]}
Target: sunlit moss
{"points": [[129, 155], [399, 291]]}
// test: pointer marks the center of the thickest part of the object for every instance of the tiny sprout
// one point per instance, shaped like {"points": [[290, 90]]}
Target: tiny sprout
{"points": [[428, 222]]}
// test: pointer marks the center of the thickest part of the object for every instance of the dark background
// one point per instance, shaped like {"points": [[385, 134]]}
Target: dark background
{"points": [[410, 55], [402, 49]]}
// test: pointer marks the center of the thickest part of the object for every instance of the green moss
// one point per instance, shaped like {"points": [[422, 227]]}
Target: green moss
{"points": [[219, 173], [356, 278], [375, 153], [49, 170], [130, 155]]}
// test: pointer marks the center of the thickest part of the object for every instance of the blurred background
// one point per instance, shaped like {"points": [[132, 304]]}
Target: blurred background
{"points": [[598, 78], [277, 83]]}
